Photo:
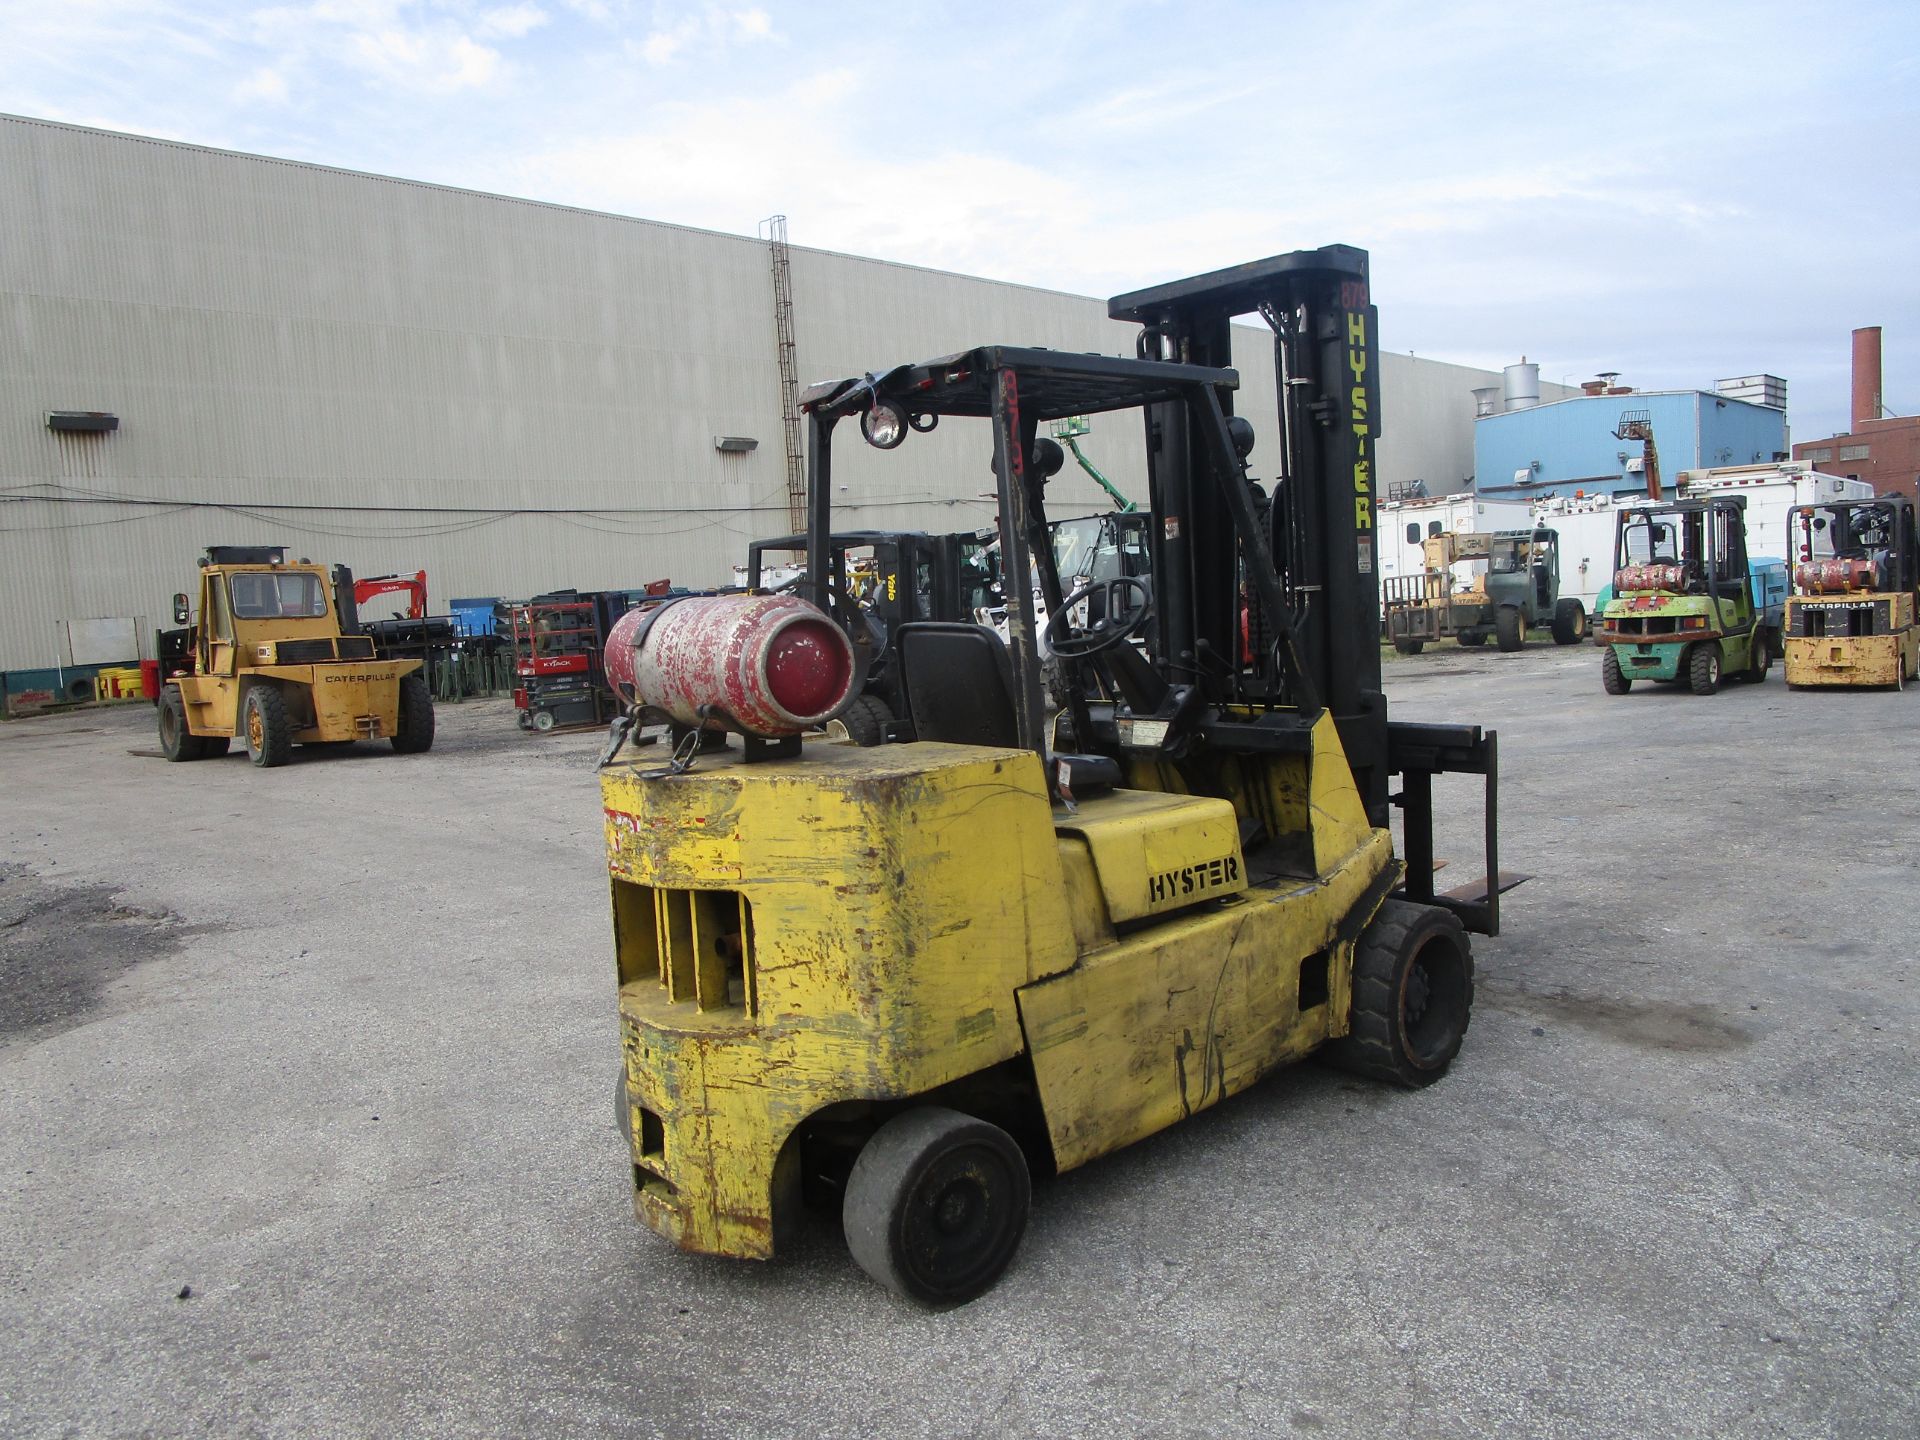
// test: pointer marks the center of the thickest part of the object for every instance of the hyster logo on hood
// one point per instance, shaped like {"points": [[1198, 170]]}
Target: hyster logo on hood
{"points": [[1191, 880]]}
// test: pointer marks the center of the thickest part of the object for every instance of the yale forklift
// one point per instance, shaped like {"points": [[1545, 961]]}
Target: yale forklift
{"points": [[900, 980], [1856, 583]]}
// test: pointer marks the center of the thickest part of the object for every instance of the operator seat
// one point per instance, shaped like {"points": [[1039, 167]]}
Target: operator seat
{"points": [[957, 680]]}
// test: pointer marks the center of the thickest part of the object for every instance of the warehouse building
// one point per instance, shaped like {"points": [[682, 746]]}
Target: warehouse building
{"points": [[1596, 440], [204, 347]]}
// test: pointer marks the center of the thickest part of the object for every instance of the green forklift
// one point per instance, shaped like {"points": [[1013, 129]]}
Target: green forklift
{"points": [[1688, 605]]}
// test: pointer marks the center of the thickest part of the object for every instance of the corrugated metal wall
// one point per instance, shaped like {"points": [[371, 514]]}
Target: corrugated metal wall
{"points": [[1574, 439], [424, 371]]}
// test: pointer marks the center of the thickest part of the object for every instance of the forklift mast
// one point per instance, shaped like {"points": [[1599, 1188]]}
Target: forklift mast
{"points": [[1319, 520]]}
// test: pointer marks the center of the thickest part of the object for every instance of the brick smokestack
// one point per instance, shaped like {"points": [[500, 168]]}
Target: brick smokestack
{"points": [[1866, 376]]}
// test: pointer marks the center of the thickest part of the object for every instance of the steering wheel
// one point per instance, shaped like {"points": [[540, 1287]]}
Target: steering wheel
{"points": [[1105, 633]]}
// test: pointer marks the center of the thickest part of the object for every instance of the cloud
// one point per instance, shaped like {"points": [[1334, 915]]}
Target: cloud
{"points": [[263, 84], [510, 21], [709, 27], [406, 46]]}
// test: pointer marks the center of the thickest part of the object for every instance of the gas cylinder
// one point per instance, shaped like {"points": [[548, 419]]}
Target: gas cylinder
{"points": [[769, 665], [1833, 577]]}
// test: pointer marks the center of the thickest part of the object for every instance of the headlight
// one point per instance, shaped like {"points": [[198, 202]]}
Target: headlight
{"points": [[885, 425]]}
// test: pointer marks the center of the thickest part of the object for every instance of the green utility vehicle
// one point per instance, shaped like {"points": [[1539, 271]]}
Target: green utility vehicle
{"points": [[1518, 591], [1688, 606]]}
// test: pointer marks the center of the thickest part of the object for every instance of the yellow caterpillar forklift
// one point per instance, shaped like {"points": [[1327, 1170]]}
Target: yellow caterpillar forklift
{"points": [[900, 980], [1856, 585], [274, 660]]}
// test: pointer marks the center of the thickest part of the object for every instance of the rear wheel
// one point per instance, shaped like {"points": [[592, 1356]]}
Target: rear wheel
{"points": [[1510, 628], [936, 1204], [269, 734], [414, 734], [1759, 657], [176, 741], [1703, 668], [1569, 622], [866, 720], [1412, 996], [1615, 680], [1408, 647], [543, 720]]}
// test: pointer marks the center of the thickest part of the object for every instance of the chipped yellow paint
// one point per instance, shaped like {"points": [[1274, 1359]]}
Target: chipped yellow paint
{"points": [[1155, 853], [1172, 1019], [898, 898], [1888, 659], [909, 915]]}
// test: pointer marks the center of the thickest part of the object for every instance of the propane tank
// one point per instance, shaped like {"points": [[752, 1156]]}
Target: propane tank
{"points": [[770, 665], [1833, 577]]}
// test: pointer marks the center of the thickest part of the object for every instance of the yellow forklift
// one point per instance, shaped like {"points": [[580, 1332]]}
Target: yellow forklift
{"points": [[1856, 585], [275, 659], [900, 980]]}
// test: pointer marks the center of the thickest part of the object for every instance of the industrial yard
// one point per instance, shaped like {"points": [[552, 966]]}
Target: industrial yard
{"points": [[708, 731], [309, 1133]]}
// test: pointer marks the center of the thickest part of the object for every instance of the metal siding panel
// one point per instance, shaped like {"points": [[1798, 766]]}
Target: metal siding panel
{"points": [[272, 332]]}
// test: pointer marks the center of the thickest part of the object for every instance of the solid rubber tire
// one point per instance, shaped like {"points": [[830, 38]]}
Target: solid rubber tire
{"points": [[866, 721], [414, 733], [1703, 668], [1404, 938], [1569, 622], [1472, 639], [276, 731], [1409, 647], [891, 1196], [1509, 628], [1613, 679]]}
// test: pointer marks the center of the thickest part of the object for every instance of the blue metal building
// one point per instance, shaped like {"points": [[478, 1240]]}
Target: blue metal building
{"points": [[1569, 445]]}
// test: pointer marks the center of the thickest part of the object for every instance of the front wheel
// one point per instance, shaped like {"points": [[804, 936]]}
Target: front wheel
{"points": [[1472, 639], [1510, 628], [177, 742], [1569, 622], [414, 734], [1703, 668], [1412, 996], [936, 1204], [1408, 647], [1615, 680]]}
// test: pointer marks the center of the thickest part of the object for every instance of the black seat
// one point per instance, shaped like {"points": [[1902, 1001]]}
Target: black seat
{"points": [[957, 682]]}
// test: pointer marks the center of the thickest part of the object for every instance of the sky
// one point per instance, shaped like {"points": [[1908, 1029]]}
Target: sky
{"points": [[1679, 192]]}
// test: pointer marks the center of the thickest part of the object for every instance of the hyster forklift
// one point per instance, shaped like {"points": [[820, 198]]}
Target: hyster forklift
{"points": [[1856, 583], [1687, 605], [898, 980], [891, 578], [273, 658], [1518, 591]]}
